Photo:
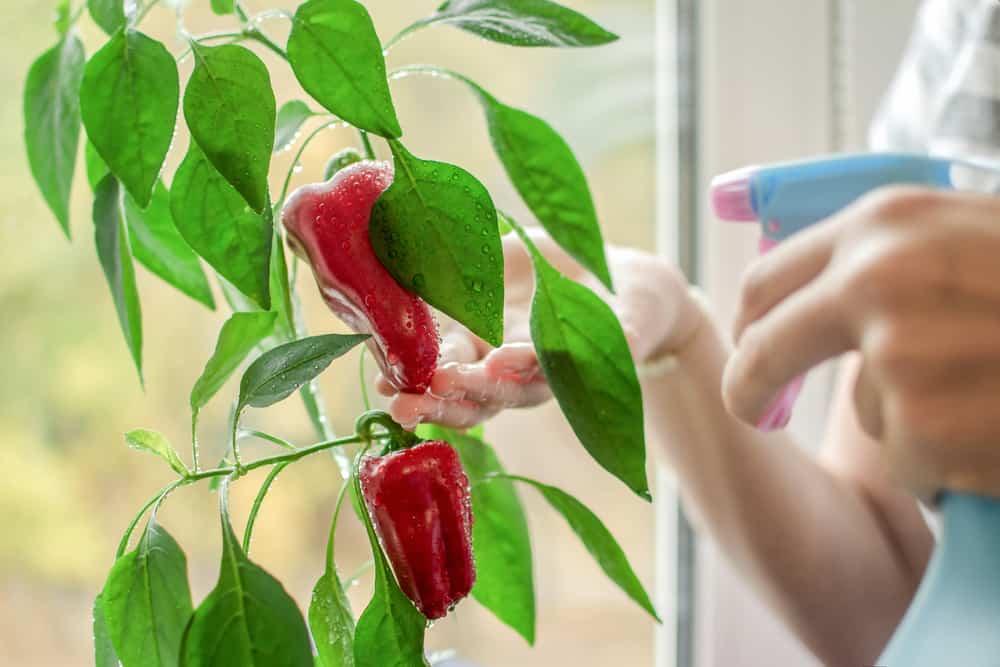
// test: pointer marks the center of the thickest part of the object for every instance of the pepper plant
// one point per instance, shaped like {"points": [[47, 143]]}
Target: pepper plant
{"points": [[386, 242]]}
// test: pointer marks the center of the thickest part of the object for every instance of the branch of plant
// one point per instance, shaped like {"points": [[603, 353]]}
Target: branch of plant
{"points": [[407, 31], [298, 156], [234, 471], [258, 501]]}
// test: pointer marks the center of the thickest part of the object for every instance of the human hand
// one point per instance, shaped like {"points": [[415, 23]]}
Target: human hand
{"points": [[474, 381], [910, 279]]}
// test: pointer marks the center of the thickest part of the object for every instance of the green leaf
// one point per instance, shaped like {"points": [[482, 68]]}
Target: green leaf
{"points": [[523, 22], [52, 122], [96, 169], [238, 337], [435, 230], [586, 359], [109, 15], [218, 224], [128, 99], [281, 292], [248, 620], [390, 632], [156, 443], [543, 169], [147, 602], [279, 372], [596, 538], [223, 7], [336, 56], [104, 650], [159, 247], [230, 109], [332, 623], [111, 238], [500, 538], [291, 117]]}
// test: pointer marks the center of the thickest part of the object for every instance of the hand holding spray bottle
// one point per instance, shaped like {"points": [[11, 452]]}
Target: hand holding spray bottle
{"points": [[955, 616]]}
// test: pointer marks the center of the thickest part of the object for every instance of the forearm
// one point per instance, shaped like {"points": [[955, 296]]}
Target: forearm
{"points": [[808, 535]]}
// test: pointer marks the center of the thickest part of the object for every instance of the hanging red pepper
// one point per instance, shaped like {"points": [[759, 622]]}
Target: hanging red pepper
{"points": [[419, 502], [327, 226]]}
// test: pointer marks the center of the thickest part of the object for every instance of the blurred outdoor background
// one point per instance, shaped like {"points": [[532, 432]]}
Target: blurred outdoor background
{"points": [[69, 483]]}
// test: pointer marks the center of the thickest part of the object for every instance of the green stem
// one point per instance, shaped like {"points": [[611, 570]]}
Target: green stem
{"points": [[160, 495], [364, 380], [357, 574], [367, 145], [434, 70], [249, 433], [258, 501], [259, 37], [407, 31], [78, 13], [194, 439], [298, 157], [290, 457], [235, 444], [145, 10], [334, 520]]}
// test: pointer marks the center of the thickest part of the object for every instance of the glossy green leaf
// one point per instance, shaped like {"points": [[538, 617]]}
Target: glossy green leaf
{"points": [[500, 538], [109, 15], [435, 230], [230, 109], [331, 623], [156, 443], [248, 620], [104, 650], [586, 359], [128, 100], [96, 169], [237, 339], [218, 224], [330, 617], [523, 22], [390, 632], [545, 172], [158, 246], [52, 122], [279, 372], [336, 56], [147, 602], [596, 538], [222, 7], [291, 116], [111, 238]]}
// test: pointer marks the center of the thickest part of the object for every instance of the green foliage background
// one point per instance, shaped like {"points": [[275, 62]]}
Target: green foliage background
{"points": [[69, 393]]}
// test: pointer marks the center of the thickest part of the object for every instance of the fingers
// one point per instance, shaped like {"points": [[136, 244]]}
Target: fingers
{"points": [[803, 330], [783, 271], [413, 409]]}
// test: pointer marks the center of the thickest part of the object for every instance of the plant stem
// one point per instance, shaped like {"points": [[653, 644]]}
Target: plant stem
{"points": [[357, 574], [194, 439], [298, 157], [144, 11], [160, 495], [364, 386], [367, 145], [280, 458], [258, 501], [407, 31], [257, 36], [270, 438], [234, 444]]}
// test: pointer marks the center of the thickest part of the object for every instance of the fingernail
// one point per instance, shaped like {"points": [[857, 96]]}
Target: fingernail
{"points": [[779, 412]]}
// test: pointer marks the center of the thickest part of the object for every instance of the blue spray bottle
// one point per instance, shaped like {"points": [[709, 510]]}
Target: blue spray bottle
{"points": [[955, 617]]}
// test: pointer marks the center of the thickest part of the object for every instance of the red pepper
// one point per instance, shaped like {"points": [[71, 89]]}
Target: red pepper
{"points": [[327, 226], [419, 502]]}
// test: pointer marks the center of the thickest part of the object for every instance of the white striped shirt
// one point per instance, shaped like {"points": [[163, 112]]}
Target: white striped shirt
{"points": [[945, 98]]}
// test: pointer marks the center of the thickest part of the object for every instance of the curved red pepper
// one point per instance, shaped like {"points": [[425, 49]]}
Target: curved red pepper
{"points": [[327, 226], [419, 502]]}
